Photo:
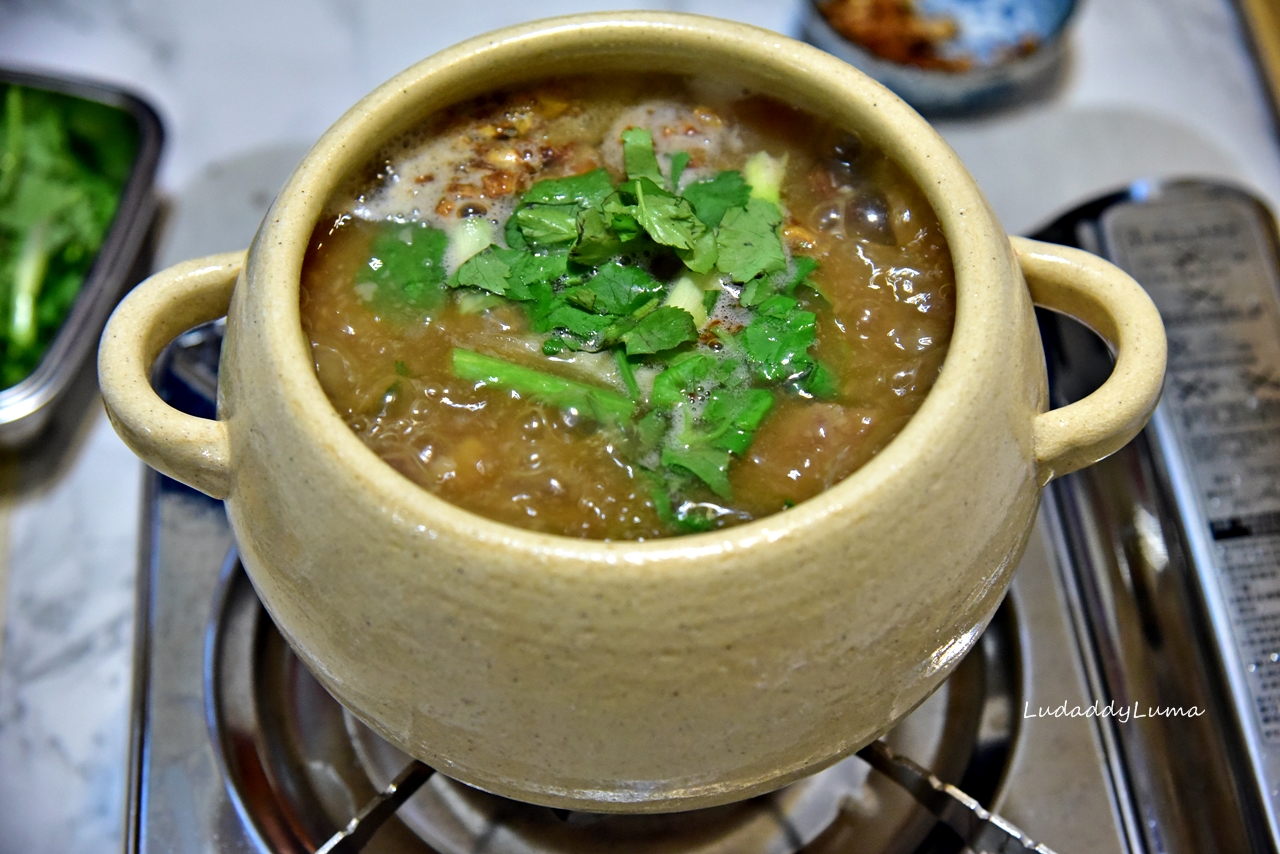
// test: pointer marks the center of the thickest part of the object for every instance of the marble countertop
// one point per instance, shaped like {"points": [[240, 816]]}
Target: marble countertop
{"points": [[1154, 88]]}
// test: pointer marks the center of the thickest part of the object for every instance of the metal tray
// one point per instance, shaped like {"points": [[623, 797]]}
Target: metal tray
{"points": [[26, 408]]}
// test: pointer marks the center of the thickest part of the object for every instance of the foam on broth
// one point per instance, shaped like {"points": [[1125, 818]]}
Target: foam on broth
{"points": [[884, 316]]}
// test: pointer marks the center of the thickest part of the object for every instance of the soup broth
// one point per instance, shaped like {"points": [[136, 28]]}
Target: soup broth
{"points": [[627, 308]]}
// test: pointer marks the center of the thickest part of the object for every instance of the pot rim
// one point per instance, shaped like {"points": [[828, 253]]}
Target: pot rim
{"points": [[980, 253]]}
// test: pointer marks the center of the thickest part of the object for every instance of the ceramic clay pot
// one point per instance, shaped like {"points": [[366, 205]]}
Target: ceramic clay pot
{"points": [[614, 676]]}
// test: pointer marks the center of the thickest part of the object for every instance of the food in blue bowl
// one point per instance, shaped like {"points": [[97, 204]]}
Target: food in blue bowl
{"points": [[946, 56]]}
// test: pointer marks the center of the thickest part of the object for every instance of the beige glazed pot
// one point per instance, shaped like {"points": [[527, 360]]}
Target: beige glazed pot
{"points": [[663, 675]]}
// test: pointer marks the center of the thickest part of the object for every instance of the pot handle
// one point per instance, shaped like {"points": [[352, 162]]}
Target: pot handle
{"points": [[1112, 304], [196, 451]]}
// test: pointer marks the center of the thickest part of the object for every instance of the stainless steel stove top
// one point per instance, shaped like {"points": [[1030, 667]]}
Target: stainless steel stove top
{"points": [[1122, 700], [239, 749]]}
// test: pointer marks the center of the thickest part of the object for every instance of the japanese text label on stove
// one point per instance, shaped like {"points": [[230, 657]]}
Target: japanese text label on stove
{"points": [[1208, 267]]}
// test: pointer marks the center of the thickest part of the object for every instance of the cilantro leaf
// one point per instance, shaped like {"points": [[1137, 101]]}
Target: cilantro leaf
{"points": [[528, 269], [777, 342], [476, 302], [586, 190], [711, 465], [731, 418], [709, 300], [679, 161], [778, 339], [674, 385], [762, 287], [509, 272], [548, 207], [688, 374], [638, 157], [748, 241], [596, 241], [584, 324], [668, 219], [756, 291], [693, 517], [710, 199], [727, 425], [663, 328], [511, 233], [805, 267], [63, 162], [548, 226], [620, 215], [650, 430], [616, 289], [702, 257], [407, 264], [484, 270], [820, 382]]}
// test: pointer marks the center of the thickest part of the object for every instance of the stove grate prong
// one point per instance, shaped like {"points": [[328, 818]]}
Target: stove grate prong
{"points": [[978, 828], [361, 829]]}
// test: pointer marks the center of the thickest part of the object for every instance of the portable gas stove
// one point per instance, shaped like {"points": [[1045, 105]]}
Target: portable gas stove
{"points": [[1151, 586]]}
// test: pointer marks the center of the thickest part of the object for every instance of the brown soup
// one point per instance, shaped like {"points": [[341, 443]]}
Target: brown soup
{"points": [[628, 308]]}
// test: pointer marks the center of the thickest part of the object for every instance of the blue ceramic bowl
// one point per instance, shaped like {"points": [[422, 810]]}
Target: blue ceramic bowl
{"points": [[988, 35]]}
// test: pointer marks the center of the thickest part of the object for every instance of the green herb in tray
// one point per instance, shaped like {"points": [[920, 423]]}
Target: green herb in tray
{"points": [[63, 165]]}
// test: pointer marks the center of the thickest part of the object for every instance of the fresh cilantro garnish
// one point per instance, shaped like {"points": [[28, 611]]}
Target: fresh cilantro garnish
{"points": [[702, 257], [627, 373], [703, 443], [690, 375], [679, 161], [748, 241], [709, 300], [711, 465], [586, 325], [529, 271], [662, 329], [620, 215], [778, 339], [762, 287], [587, 190], [64, 162], [406, 265], [547, 214], [484, 270], [513, 273], [548, 226], [597, 241], [638, 157], [821, 382], [710, 199], [600, 404], [777, 342], [731, 417], [511, 234], [616, 289], [668, 219], [604, 267]]}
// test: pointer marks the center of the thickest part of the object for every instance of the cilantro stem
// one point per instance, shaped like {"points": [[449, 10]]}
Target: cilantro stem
{"points": [[592, 401], [33, 261], [11, 159], [628, 374]]}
